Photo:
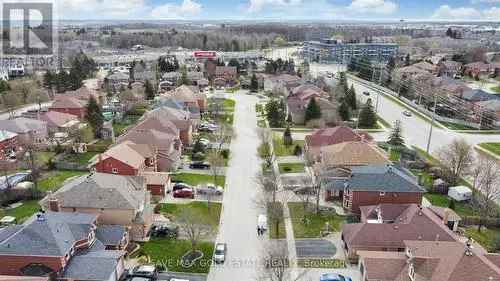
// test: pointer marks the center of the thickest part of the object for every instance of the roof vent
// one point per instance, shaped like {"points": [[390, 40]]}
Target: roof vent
{"points": [[396, 227]]}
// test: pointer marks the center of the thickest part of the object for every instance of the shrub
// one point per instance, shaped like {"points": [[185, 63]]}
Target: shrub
{"points": [[297, 151]]}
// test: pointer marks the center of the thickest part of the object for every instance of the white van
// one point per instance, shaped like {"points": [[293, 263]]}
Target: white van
{"points": [[262, 222]]}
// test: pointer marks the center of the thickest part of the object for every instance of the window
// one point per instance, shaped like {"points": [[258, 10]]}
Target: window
{"points": [[382, 193], [114, 170]]}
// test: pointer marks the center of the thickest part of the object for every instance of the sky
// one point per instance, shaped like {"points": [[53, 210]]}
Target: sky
{"points": [[437, 10]]}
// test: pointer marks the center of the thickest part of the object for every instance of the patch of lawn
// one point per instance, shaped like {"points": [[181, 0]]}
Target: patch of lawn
{"points": [[395, 155], [54, 180], [321, 263], [199, 208], [23, 212], [274, 233], [280, 149], [196, 179], [457, 127], [288, 168], [383, 122], [426, 155], [496, 89], [486, 237], [80, 159], [493, 147], [168, 253], [42, 158], [229, 105], [441, 200], [315, 223]]}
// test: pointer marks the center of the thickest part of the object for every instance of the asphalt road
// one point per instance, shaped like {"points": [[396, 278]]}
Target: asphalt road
{"points": [[315, 248], [240, 212], [19, 111]]}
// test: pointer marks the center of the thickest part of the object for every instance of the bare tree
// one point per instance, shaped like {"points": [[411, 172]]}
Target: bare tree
{"points": [[487, 180], [194, 227], [277, 264], [268, 184], [222, 136], [216, 165], [265, 136], [456, 159]]}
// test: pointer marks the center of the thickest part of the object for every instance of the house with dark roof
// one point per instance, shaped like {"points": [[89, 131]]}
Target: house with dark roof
{"points": [[478, 95], [430, 261], [372, 185], [385, 227], [63, 244], [116, 199]]}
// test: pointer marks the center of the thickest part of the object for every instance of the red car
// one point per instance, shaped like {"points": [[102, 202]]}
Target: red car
{"points": [[184, 193]]}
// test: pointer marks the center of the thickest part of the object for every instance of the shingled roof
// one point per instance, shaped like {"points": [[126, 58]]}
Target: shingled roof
{"points": [[354, 153]]}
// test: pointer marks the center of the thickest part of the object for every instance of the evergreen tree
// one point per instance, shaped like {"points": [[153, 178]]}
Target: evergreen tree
{"points": [[48, 79], [235, 63], [149, 90], [365, 68], [94, 116], [344, 111], [183, 80], [367, 116], [275, 113], [351, 98], [396, 137], [254, 84], [313, 111], [4, 86], [287, 137]]}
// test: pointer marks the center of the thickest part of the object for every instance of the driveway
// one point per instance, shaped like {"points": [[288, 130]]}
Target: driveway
{"points": [[239, 213], [166, 276], [315, 248]]}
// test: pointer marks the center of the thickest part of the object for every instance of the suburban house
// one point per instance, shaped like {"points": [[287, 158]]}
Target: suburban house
{"points": [[407, 72], [59, 122], [189, 96], [428, 67], [429, 261], [180, 118], [115, 199], [116, 79], [173, 77], [8, 144], [449, 68], [330, 136], [281, 84], [227, 73], [492, 106], [166, 146], [63, 244], [385, 227], [480, 70], [158, 124], [372, 185], [351, 154], [29, 131], [478, 95], [70, 105], [300, 97]]}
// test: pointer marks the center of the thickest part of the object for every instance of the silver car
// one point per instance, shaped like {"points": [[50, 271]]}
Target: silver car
{"points": [[210, 189]]}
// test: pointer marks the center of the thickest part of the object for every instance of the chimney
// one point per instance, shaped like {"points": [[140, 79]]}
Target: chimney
{"points": [[54, 205]]}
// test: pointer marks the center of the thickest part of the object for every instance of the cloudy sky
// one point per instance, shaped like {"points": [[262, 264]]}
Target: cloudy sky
{"points": [[282, 9]]}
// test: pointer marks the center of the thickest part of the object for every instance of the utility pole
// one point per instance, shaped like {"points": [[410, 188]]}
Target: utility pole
{"points": [[432, 125]]}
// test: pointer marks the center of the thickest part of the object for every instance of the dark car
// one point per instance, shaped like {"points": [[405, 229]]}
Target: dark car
{"points": [[165, 230], [148, 271], [184, 193], [180, 185], [199, 165], [366, 93]]}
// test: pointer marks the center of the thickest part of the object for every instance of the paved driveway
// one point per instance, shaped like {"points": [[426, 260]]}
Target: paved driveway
{"points": [[183, 276], [315, 248]]}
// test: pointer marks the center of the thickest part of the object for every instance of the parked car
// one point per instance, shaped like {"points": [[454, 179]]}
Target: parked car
{"points": [[199, 165], [220, 253], [262, 222], [181, 185], [407, 113], [366, 93], [148, 271], [334, 277], [210, 189], [184, 193], [169, 230]]}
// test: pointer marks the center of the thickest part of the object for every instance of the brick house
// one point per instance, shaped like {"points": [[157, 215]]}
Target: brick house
{"points": [[70, 105], [64, 244], [385, 227], [372, 185], [118, 200], [8, 144], [189, 97], [350, 154], [180, 118], [227, 73], [299, 99], [59, 122], [281, 84]]}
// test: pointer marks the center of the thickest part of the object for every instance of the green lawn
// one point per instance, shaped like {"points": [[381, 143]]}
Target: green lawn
{"points": [[315, 223], [288, 168], [199, 208], [42, 157], [229, 105], [426, 155], [273, 233], [196, 179], [168, 253], [54, 180], [441, 200], [493, 147], [320, 263], [485, 237], [120, 126], [459, 127], [23, 212], [395, 155], [80, 159], [280, 149], [385, 123], [496, 89]]}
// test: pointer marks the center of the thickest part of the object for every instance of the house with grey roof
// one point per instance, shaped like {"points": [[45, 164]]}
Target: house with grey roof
{"points": [[63, 244], [372, 185], [116, 199], [29, 131]]}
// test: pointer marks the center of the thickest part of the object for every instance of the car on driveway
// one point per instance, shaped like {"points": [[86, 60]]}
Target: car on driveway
{"points": [[180, 185], [184, 193], [199, 165], [146, 271], [220, 253], [210, 189], [334, 277], [407, 113]]}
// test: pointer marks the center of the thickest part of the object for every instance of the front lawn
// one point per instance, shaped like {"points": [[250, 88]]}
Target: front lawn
{"points": [[315, 224], [493, 147], [289, 168], [442, 200], [459, 127], [229, 105], [42, 158], [54, 180], [168, 253], [200, 209], [274, 233], [496, 89], [280, 149], [486, 237], [196, 179], [80, 159], [23, 212]]}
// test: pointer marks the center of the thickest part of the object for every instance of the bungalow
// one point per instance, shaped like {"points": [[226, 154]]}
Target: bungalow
{"points": [[385, 227], [64, 244], [116, 199], [59, 122], [330, 136], [8, 144], [29, 131], [374, 184], [430, 260], [70, 105], [189, 97]]}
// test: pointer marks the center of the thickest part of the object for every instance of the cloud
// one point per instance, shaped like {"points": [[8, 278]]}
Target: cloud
{"points": [[373, 6], [485, 1], [258, 5], [188, 8], [100, 8], [446, 12], [492, 13]]}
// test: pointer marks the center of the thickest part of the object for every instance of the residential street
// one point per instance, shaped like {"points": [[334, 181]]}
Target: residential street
{"points": [[239, 213]]}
